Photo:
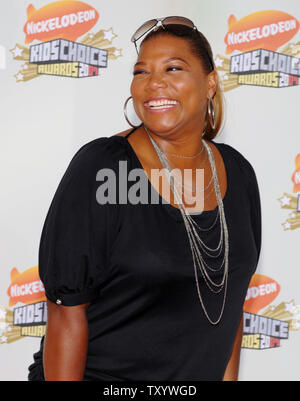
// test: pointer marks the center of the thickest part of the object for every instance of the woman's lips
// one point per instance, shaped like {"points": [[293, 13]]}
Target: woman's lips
{"points": [[160, 105]]}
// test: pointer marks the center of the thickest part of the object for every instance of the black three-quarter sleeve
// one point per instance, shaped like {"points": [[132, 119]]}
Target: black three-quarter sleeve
{"points": [[75, 238]]}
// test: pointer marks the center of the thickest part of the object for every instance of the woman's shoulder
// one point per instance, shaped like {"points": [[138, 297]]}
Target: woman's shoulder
{"points": [[235, 155], [124, 133], [104, 151], [239, 162], [97, 154]]}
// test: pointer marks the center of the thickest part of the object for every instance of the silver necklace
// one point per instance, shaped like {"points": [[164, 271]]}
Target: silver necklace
{"points": [[196, 243], [185, 157], [187, 186]]}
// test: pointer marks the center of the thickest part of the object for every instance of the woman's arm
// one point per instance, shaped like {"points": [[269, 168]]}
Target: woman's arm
{"points": [[232, 369], [66, 342]]}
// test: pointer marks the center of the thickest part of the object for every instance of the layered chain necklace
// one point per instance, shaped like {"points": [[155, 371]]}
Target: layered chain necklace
{"points": [[197, 245]]}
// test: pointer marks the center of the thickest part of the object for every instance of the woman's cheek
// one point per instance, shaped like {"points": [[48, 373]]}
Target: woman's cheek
{"points": [[138, 110], [136, 95]]}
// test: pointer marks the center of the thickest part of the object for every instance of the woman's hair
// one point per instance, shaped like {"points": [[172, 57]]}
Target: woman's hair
{"points": [[200, 48]]}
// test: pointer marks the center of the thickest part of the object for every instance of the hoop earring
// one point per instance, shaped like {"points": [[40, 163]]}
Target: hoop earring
{"points": [[125, 113], [211, 113]]}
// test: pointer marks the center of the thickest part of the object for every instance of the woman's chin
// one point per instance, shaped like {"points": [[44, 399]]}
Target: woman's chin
{"points": [[160, 127]]}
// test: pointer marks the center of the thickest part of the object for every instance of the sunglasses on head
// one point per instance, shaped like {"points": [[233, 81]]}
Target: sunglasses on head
{"points": [[156, 23]]}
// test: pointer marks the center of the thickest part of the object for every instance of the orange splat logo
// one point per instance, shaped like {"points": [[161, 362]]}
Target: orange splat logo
{"points": [[25, 287], [261, 292], [267, 29], [60, 19]]}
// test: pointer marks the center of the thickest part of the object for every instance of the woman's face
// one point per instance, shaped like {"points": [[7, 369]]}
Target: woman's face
{"points": [[170, 88]]}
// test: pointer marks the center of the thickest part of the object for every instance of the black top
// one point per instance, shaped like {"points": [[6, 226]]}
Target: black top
{"points": [[134, 264]]}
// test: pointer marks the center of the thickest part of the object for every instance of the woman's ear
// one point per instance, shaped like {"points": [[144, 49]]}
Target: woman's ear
{"points": [[212, 84]]}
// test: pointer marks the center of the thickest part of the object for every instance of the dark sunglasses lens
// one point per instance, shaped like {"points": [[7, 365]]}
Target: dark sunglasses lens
{"points": [[179, 21], [143, 29]]}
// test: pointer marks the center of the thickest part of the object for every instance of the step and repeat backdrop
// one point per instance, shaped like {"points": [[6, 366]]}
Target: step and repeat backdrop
{"points": [[65, 72]]}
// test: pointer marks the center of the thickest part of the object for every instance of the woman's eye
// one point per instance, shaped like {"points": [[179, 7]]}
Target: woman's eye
{"points": [[137, 72], [174, 68]]}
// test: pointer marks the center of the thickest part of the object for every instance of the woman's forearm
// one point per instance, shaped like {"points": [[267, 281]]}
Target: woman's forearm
{"points": [[66, 342], [232, 369]]}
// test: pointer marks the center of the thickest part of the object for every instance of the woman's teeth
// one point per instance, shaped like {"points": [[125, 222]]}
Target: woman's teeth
{"points": [[162, 104]]}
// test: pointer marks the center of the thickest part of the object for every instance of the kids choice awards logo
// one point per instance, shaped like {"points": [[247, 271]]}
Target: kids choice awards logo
{"points": [[292, 202], [253, 43], [26, 314], [57, 27], [267, 324]]}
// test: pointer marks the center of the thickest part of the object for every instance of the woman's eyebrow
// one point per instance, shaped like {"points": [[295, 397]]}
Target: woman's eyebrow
{"points": [[139, 63], [175, 59], [165, 61]]}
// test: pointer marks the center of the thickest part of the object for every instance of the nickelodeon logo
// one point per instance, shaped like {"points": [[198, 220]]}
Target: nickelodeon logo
{"points": [[261, 292], [60, 19], [254, 41], [267, 29], [25, 287], [62, 50]]}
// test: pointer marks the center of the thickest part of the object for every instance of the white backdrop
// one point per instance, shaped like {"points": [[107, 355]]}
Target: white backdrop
{"points": [[45, 120]]}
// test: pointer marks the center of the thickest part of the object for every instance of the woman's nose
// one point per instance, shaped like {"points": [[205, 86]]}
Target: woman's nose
{"points": [[156, 80]]}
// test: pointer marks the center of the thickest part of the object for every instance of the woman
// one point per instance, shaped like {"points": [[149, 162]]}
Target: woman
{"points": [[153, 291]]}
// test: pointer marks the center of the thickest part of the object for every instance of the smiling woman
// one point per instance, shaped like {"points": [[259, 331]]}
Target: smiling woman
{"points": [[165, 78], [172, 62], [153, 291], [192, 48]]}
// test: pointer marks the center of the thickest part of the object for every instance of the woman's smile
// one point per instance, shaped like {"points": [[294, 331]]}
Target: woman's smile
{"points": [[160, 105]]}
